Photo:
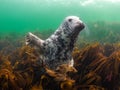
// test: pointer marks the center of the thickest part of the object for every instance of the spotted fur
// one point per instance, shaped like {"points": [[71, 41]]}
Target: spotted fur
{"points": [[57, 49]]}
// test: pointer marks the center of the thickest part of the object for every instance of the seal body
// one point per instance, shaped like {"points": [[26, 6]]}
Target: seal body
{"points": [[57, 49]]}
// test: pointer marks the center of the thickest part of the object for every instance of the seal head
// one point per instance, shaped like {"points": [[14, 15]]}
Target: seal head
{"points": [[71, 27], [74, 23]]}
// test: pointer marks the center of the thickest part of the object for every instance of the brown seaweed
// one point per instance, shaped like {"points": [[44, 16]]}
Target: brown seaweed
{"points": [[96, 68]]}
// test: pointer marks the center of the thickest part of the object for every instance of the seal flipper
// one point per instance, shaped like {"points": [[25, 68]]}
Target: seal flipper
{"points": [[34, 41]]}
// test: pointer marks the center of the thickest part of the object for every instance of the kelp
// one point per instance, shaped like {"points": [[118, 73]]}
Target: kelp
{"points": [[22, 70], [96, 67], [108, 69]]}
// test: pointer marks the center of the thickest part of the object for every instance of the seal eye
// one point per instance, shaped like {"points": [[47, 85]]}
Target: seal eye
{"points": [[69, 20]]}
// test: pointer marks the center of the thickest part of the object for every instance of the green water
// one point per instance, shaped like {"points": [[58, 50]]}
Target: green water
{"points": [[30, 15]]}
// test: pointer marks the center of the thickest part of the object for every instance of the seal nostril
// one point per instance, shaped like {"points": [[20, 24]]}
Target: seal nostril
{"points": [[82, 25]]}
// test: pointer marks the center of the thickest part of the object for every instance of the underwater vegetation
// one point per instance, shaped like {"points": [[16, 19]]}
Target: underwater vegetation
{"points": [[97, 67], [103, 32]]}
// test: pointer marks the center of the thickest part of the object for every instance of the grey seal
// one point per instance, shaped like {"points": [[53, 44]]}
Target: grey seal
{"points": [[57, 49]]}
